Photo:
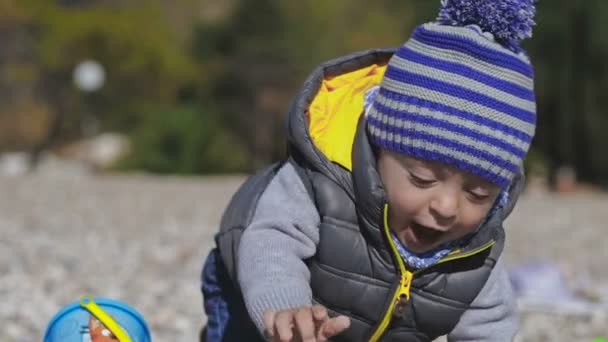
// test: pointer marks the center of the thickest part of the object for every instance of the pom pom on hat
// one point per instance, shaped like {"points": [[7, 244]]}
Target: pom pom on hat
{"points": [[509, 21]]}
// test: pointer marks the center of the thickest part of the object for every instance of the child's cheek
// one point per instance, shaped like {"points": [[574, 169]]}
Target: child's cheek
{"points": [[398, 218]]}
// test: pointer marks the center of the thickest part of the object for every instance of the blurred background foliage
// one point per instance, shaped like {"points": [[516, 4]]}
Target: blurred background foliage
{"points": [[203, 86]]}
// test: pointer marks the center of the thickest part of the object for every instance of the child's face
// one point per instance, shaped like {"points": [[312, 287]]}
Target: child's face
{"points": [[431, 203]]}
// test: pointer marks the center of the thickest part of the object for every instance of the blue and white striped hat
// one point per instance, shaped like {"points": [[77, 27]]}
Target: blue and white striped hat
{"points": [[461, 90]]}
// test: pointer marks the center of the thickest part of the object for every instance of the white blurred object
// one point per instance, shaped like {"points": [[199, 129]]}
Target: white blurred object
{"points": [[544, 287], [89, 76], [107, 148], [99, 152], [14, 164], [540, 282]]}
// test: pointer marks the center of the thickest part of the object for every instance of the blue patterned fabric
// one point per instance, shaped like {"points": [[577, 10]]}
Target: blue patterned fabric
{"points": [[216, 306], [227, 317], [420, 261]]}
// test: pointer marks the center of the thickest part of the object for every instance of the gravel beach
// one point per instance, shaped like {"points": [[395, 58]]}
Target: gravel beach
{"points": [[142, 239]]}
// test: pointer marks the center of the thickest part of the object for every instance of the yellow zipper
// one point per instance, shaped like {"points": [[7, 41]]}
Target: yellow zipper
{"points": [[402, 295], [451, 256]]}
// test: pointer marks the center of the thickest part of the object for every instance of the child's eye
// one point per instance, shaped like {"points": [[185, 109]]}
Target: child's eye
{"points": [[479, 195], [421, 181]]}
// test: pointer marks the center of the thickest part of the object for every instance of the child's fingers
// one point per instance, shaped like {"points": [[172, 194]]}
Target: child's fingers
{"points": [[319, 312], [333, 327], [305, 325], [269, 323], [283, 326], [320, 315]]}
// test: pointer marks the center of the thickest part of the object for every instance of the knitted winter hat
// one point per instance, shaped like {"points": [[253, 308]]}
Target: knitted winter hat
{"points": [[461, 90]]}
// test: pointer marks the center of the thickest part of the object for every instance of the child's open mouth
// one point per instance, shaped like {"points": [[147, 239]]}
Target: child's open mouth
{"points": [[424, 236]]}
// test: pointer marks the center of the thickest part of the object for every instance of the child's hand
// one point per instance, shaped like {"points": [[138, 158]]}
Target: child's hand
{"points": [[307, 324]]}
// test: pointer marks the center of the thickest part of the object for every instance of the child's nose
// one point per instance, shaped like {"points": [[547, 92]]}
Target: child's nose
{"points": [[445, 207]]}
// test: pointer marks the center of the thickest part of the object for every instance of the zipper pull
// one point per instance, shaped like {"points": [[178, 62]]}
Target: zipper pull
{"points": [[404, 294]]}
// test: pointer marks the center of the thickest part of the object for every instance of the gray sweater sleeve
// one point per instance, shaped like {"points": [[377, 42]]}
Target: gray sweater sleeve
{"points": [[284, 231], [492, 316]]}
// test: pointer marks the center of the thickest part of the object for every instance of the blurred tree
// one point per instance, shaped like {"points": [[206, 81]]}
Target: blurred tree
{"points": [[245, 54], [23, 118], [322, 30], [246, 59], [571, 82], [144, 63], [133, 43], [184, 140], [140, 43], [263, 50]]}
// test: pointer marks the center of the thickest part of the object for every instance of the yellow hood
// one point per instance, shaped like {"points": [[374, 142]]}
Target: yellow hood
{"points": [[335, 111]]}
